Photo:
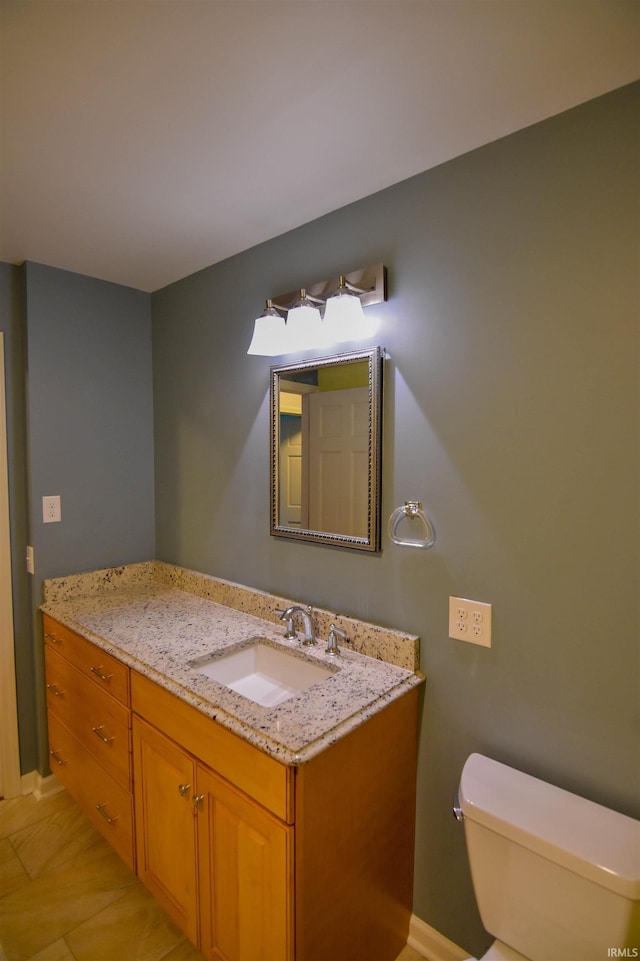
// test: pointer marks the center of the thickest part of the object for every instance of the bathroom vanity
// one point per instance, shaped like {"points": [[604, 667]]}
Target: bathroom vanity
{"points": [[267, 833]]}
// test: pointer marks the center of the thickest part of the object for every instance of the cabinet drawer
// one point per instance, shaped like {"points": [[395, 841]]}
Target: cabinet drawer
{"points": [[96, 719], [258, 775], [105, 670], [103, 800]]}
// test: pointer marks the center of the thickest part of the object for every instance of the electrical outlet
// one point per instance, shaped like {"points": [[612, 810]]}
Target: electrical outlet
{"points": [[470, 621], [51, 509]]}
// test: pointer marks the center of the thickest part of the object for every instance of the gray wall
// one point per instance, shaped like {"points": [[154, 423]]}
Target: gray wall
{"points": [[90, 420], [90, 439], [511, 410]]}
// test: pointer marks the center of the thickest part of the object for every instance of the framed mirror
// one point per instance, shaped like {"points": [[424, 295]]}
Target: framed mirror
{"points": [[326, 445]]}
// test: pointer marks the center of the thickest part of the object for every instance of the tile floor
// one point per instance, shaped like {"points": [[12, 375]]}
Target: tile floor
{"points": [[66, 896]]}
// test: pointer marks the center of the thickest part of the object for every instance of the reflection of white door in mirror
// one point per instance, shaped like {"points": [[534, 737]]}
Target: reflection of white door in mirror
{"points": [[291, 496], [339, 461]]}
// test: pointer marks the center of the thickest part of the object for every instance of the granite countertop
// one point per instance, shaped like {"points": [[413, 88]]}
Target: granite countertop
{"points": [[143, 615]]}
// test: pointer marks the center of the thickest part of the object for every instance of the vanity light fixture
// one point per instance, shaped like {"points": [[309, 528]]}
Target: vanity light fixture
{"points": [[269, 333], [339, 301], [344, 318], [304, 326]]}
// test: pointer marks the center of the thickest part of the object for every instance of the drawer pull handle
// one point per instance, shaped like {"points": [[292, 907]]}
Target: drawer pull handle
{"points": [[52, 638], [197, 801], [100, 808], [183, 789], [98, 732], [103, 677], [54, 755], [55, 690]]}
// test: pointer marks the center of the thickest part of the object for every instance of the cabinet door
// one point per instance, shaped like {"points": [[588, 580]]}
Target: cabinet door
{"points": [[246, 876], [166, 824]]}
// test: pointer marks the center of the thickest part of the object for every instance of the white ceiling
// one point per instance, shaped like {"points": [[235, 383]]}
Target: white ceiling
{"points": [[142, 141]]}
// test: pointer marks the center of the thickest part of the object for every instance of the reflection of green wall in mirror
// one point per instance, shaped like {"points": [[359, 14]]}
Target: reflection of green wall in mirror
{"points": [[343, 376], [290, 403]]}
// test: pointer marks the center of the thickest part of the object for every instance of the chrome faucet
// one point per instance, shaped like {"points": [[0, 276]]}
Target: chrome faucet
{"points": [[309, 633]]}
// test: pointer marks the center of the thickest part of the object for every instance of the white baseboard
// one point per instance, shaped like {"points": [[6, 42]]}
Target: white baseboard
{"points": [[40, 787], [431, 944]]}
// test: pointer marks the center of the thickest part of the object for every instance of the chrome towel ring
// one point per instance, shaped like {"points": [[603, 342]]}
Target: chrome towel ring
{"points": [[412, 510]]}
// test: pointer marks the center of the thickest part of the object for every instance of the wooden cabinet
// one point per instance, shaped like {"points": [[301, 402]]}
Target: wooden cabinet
{"points": [[218, 861], [166, 824], [90, 732], [255, 860], [311, 863]]}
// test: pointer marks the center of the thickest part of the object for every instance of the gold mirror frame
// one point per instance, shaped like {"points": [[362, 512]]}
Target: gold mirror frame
{"points": [[301, 370]]}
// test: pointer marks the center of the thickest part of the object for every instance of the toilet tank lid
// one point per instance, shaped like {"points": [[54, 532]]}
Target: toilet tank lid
{"points": [[584, 837]]}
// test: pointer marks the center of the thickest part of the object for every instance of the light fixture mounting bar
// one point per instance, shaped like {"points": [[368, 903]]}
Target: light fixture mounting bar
{"points": [[372, 280]]}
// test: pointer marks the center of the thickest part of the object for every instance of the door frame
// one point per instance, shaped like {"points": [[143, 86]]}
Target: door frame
{"points": [[10, 779]]}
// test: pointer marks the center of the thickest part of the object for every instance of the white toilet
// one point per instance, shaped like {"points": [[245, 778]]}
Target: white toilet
{"points": [[556, 877]]}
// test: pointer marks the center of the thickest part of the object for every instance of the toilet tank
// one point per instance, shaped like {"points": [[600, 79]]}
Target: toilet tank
{"points": [[556, 876]]}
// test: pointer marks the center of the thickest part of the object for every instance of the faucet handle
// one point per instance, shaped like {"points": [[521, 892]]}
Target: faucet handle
{"points": [[290, 633], [332, 642]]}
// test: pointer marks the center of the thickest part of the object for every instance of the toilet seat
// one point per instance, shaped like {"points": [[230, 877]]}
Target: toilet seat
{"points": [[498, 951]]}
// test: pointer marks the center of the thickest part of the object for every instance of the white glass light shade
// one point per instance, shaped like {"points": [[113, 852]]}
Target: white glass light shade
{"points": [[269, 334], [344, 318], [304, 326]]}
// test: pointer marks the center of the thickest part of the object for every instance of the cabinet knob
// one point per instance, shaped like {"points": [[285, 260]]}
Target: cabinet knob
{"points": [[55, 690], [58, 760], [197, 801], [52, 638], [184, 789]]}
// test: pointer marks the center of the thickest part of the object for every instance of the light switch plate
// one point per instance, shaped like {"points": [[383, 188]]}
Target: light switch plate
{"points": [[470, 621]]}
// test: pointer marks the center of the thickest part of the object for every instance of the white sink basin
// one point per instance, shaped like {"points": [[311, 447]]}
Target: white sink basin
{"points": [[264, 674]]}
